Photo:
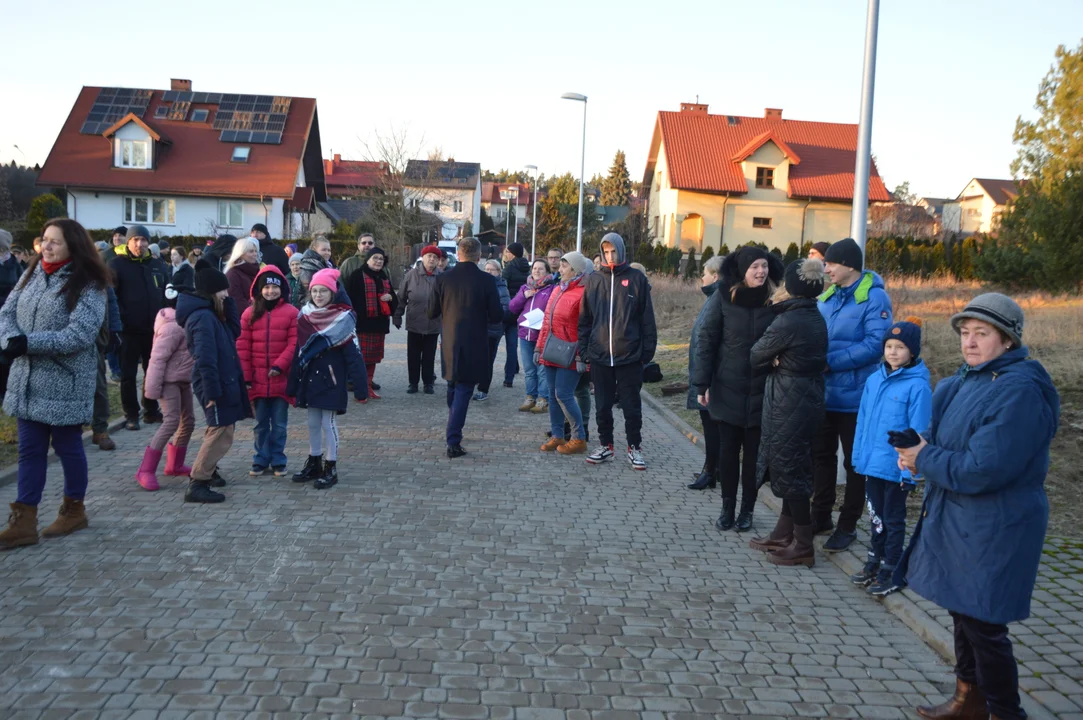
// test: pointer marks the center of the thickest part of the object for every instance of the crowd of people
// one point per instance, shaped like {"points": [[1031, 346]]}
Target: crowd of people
{"points": [[787, 366]]}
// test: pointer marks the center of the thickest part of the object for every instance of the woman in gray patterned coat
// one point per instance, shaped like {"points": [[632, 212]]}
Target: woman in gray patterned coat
{"points": [[48, 328]]}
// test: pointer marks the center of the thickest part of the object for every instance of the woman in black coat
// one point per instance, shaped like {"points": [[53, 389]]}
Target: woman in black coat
{"points": [[374, 300], [735, 317], [794, 350]]}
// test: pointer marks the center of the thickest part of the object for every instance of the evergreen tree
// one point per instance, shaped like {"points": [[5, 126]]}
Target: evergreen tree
{"points": [[707, 255], [691, 267], [1051, 147], [43, 209], [792, 254], [617, 187]]}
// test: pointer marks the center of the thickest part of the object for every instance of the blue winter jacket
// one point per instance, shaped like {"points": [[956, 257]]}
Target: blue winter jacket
{"points": [[496, 330], [216, 374], [857, 318], [891, 401], [978, 543]]}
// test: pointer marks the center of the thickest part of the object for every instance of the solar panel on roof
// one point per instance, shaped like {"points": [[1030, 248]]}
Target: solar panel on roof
{"points": [[179, 110], [112, 104]]}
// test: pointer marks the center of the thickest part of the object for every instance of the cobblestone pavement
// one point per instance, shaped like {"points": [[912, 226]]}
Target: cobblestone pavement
{"points": [[507, 584]]}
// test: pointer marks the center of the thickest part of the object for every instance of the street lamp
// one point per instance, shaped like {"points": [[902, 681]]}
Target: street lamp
{"points": [[534, 219], [507, 194], [582, 166]]}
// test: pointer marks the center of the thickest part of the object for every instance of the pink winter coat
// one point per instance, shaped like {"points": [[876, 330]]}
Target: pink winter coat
{"points": [[169, 358], [270, 342]]}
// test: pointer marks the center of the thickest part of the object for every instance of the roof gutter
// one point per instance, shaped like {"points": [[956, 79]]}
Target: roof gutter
{"points": [[722, 232], [804, 214]]}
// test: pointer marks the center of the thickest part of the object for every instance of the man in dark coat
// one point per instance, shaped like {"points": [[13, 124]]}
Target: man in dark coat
{"points": [[270, 253], [467, 301], [140, 288]]}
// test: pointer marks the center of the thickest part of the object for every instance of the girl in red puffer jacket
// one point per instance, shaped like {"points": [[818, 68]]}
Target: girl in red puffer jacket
{"points": [[266, 347]]}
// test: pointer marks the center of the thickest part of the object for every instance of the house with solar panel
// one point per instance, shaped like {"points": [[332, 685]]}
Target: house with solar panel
{"points": [[729, 180], [448, 189], [189, 163]]}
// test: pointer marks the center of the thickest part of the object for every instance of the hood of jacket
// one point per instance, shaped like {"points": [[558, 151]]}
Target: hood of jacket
{"points": [[618, 244], [729, 275], [272, 270], [1017, 362], [189, 303], [917, 370], [859, 290], [122, 251]]}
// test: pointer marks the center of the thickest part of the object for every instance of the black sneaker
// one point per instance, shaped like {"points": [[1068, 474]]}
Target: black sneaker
{"points": [[412, 390], [430, 390], [131, 424], [258, 470], [374, 385], [508, 384], [217, 480], [867, 574], [884, 585], [455, 451], [822, 527], [839, 541], [200, 492]]}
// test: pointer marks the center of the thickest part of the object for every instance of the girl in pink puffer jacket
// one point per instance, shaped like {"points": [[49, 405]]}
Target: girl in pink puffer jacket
{"points": [[168, 380]]}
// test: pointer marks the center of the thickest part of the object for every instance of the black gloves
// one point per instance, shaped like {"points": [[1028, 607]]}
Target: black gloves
{"points": [[16, 347], [906, 439]]}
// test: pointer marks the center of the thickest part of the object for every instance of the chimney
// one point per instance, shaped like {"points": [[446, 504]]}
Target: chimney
{"points": [[694, 108], [338, 158], [772, 113], [182, 85]]}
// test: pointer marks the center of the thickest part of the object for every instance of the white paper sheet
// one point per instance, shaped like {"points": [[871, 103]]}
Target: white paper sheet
{"points": [[533, 319]]}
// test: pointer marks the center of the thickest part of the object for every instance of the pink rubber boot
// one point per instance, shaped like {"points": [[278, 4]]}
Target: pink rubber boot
{"points": [[174, 461], [147, 473]]}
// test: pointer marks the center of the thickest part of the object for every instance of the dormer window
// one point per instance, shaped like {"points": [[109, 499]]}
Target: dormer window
{"points": [[765, 177], [133, 154]]}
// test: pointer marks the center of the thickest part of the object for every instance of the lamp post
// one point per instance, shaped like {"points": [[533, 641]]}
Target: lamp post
{"points": [[507, 194], [859, 214], [582, 166], [534, 217]]}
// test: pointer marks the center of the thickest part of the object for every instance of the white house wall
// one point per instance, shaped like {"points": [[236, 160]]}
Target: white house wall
{"points": [[192, 215]]}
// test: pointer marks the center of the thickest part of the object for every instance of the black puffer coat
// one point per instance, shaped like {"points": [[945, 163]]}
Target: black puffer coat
{"points": [[793, 402], [724, 339]]}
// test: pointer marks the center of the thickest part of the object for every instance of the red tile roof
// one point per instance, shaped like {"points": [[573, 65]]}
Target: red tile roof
{"points": [[701, 152], [353, 175], [490, 192], [196, 163]]}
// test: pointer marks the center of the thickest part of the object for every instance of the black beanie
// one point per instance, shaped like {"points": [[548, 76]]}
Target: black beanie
{"points": [[748, 255], [267, 277], [805, 278], [821, 247], [376, 250], [209, 281], [846, 252], [261, 228], [516, 249]]}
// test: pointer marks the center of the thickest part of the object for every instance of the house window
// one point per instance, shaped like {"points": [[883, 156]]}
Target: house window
{"points": [[414, 203], [240, 154], [151, 211], [765, 178], [230, 214], [134, 154], [425, 237], [762, 223], [436, 205], [457, 206]]}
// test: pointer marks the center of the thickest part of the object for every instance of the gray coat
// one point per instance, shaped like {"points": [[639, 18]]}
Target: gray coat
{"points": [[54, 382], [414, 295]]}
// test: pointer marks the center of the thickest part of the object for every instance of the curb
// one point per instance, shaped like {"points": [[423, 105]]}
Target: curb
{"points": [[901, 604], [10, 473]]}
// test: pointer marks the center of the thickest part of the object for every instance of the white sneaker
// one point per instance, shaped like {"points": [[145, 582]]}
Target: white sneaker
{"points": [[635, 456], [601, 454]]}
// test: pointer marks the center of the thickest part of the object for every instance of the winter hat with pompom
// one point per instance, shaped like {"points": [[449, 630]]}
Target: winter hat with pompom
{"points": [[805, 278]]}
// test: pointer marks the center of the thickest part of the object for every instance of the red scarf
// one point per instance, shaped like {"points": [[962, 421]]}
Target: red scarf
{"points": [[51, 268]]}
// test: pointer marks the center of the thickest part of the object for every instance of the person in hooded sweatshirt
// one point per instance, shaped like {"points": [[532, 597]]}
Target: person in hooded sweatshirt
{"points": [[266, 348], [617, 337], [169, 380], [270, 253], [211, 328]]}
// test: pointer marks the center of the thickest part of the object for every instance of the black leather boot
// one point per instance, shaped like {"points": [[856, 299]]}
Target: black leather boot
{"points": [[329, 477], [725, 520], [744, 519], [706, 479], [313, 469]]}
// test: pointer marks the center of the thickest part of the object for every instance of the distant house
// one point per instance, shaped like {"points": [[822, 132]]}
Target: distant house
{"points": [[346, 179], [609, 215], [496, 205], [933, 206], [718, 180], [978, 207], [189, 163], [900, 220], [450, 190]]}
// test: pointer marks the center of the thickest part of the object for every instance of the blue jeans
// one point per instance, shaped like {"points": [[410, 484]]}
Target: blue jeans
{"points": [[887, 510], [114, 364], [34, 459], [562, 402], [511, 344], [458, 402], [537, 380], [270, 445]]}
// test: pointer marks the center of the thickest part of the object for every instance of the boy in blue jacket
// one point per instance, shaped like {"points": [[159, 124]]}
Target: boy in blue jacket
{"points": [[896, 397]]}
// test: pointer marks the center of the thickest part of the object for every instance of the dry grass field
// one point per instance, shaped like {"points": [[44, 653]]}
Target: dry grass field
{"points": [[1053, 332]]}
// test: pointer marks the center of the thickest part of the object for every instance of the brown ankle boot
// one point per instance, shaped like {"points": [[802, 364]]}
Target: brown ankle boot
{"points": [[72, 517], [968, 703], [22, 527], [798, 552], [779, 538]]}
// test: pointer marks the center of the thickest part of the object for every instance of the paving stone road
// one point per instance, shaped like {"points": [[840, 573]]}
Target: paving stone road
{"points": [[507, 584]]}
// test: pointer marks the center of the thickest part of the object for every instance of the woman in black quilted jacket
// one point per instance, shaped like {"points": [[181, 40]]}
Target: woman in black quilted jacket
{"points": [[794, 349]]}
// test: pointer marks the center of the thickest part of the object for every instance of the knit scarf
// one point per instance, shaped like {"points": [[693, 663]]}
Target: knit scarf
{"points": [[374, 306], [50, 267], [322, 329]]}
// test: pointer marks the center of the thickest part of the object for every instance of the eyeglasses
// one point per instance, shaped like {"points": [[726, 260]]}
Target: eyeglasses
{"points": [[368, 243]]}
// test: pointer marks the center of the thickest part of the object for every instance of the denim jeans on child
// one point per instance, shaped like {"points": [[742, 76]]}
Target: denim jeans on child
{"points": [[270, 445], [537, 380], [887, 510]]}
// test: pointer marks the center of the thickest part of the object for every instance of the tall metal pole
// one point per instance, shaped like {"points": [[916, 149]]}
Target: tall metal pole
{"points": [[516, 212], [534, 219], [507, 218], [859, 214], [582, 179]]}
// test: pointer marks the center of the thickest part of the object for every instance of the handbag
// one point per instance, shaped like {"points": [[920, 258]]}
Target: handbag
{"points": [[556, 351]]}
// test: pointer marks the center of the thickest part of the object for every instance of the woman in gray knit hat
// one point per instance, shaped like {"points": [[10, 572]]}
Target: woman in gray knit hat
{"points": [[978, 543]]}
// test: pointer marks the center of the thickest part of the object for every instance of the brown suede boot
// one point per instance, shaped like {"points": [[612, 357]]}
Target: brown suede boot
{"points": [[779, 538], [103, 441], [800, 551], [72, 517], [968, 703], [22, 527]]}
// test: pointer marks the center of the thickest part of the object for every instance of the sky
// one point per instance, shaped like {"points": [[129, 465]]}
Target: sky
{"points": [[484, 85]]}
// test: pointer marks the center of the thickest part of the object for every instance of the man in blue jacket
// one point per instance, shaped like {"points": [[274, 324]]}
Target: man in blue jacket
{"points": [[858, 313]]}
